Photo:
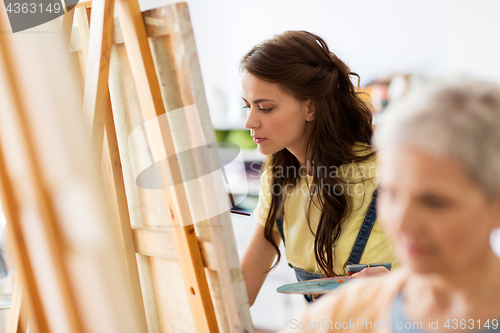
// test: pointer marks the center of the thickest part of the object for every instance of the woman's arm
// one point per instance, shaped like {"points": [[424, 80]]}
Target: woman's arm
{"points": [[257, 259]]}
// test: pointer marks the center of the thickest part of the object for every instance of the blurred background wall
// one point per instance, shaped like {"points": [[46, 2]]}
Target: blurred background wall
{"points": [[427, 38]]}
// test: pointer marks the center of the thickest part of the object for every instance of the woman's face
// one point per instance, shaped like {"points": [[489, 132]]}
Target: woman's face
{"points": [[276, 119], [439, 220]]}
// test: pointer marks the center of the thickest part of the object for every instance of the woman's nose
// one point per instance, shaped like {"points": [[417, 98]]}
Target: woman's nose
{"points": [[252, 120], [407, 217]]}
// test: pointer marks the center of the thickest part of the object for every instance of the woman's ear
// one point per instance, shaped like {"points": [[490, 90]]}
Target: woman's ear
{"points": [[310, 110]]}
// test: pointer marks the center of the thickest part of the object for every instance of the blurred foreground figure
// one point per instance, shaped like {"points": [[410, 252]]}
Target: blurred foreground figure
{"points": [[439, 151]]}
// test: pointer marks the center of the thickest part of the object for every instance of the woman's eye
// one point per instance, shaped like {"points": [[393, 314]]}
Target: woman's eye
{"points": [[435, 203], [248, 107]]}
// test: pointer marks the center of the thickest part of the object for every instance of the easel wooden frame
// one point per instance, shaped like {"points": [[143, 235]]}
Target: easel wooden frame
{"points": [[219, 301], [39, 195], [26, 275], [134, 33]]}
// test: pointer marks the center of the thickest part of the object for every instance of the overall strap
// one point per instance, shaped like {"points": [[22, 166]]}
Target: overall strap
{"points": [[364, 232], [279, 221]]}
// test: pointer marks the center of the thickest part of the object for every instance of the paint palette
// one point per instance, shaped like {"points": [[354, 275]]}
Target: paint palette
{"points": [[317, 286]]}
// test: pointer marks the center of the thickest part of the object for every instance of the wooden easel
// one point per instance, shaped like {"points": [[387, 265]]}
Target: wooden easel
{"points": [[200, 256], [67, 253]]}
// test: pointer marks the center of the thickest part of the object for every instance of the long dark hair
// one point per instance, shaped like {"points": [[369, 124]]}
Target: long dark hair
{"points": [[301, 63]]}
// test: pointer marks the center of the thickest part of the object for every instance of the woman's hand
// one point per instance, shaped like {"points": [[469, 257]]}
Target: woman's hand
{"points": [[370, 272]]}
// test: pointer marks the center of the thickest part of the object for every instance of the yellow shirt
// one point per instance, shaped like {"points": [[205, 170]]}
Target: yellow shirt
{"points": [[299, 241]]}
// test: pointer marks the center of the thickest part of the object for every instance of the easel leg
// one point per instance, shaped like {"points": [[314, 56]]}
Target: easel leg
{"points": [[97, 36], [18, 321], [186, 242]]}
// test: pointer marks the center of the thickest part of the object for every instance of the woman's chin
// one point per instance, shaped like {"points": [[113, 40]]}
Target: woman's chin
{"points": [[265, 150]]}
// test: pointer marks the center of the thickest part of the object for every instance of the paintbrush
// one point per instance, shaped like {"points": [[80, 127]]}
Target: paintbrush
{"points": [[239, 212]]}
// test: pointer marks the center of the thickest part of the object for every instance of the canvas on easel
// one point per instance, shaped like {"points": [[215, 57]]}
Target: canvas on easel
{"points": [[178, 207]]}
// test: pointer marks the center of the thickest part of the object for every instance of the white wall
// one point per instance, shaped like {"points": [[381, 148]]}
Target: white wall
{"points": [[376, 38]]}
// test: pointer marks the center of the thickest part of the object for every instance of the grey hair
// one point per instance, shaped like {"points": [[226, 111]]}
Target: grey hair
{"points": [[456, 118]]}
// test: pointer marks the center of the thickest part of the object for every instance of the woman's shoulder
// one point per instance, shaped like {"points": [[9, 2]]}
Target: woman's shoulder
{"points": [[364, 290], [360, 171], [365, 150]]}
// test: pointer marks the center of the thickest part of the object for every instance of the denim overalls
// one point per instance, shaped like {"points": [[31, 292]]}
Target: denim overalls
{"points": [[357, 249]]}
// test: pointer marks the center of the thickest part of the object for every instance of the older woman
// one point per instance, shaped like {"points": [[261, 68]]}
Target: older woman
{"points": [[439, 153]]}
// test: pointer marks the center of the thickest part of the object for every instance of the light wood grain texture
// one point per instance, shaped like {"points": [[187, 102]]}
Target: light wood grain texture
{"points": [[44, 206], [96, 94], [155, 27], [18, 322], [159, 243], [155, 242], [66, 24], [123, 212], [83, 4], [32, 301], [103, 120], [150, 99], [56, 201], [146, 207], [171, 293], [135, 100], [220, 228], [15, 308], [83, 17]]}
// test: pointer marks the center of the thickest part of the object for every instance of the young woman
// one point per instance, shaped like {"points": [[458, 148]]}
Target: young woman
{"points": [[318, 186]]}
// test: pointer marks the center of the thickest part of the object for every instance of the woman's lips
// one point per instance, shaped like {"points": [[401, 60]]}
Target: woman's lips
{"points": [[258, 140], [416, 250]]}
